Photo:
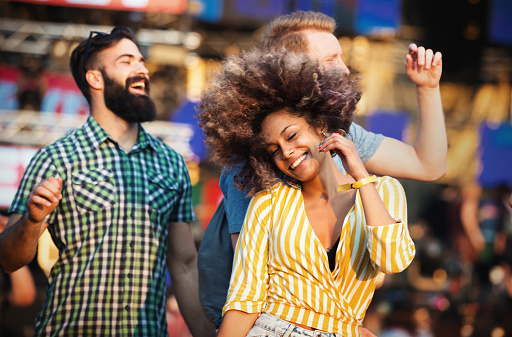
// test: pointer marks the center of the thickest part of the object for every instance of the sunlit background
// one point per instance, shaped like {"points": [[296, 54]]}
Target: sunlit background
{"points": [[455, 287]]}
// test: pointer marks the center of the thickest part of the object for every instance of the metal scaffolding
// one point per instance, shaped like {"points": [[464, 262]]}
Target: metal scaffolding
{"points": [[30, 128], [32, 37]]}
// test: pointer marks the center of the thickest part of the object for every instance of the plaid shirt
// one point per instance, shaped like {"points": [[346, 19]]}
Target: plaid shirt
{"points": [[111, 230]]}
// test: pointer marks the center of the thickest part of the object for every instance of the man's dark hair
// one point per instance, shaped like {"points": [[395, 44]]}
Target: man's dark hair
{"points": [[96, 43]]}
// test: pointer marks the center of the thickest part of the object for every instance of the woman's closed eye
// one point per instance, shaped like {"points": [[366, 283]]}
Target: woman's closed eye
{"points": [[292, 136], [273, 152]]}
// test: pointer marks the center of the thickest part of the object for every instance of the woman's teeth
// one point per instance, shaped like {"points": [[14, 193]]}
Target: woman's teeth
{"points": [[298, 161]]}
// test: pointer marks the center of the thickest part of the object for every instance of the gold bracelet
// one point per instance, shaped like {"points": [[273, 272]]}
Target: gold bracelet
{"points": [[357, 184]]}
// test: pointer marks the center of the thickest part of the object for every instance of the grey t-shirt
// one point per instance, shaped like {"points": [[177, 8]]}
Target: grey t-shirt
{"points": [[236, 202]]}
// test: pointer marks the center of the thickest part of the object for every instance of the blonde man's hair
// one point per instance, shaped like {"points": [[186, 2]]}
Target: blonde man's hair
{"points": [[286, 30]]}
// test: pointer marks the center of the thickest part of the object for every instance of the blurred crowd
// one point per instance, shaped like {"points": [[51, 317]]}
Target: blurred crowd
{"points": [[460, 282]]}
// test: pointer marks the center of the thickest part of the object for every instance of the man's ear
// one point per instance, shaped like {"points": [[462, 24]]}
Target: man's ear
{"points": [[95, 79]]}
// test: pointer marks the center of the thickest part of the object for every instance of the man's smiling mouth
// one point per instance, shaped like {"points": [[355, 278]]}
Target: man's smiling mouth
{"points": [[141, 85]]}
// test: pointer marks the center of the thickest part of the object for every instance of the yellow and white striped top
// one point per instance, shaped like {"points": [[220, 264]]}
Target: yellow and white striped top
{"points": [[281, 267]]}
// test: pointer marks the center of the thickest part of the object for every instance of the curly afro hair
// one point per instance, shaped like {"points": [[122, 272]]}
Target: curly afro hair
{"points": [[255, 84]]}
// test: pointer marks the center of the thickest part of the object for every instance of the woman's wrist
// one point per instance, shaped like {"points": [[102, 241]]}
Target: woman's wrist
{"points": [[359, 183]]}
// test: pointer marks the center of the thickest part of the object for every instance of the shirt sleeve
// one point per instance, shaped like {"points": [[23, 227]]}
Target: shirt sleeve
{"points": [[366, 142], [184, 209], [236, 202], [391, 247], [41, 167], [249, 277], [339, 164]]}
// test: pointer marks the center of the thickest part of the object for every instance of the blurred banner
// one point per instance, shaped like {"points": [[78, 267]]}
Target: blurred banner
{"points": [[185, 115], [61, 95], [496, 154], [377, 17], [14, 161], [157, 6], [500, 25], [9, 88], [368, 17], [391, 124]]}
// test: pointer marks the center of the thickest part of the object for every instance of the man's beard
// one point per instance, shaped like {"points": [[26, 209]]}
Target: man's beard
{"points": [[131, 108]]}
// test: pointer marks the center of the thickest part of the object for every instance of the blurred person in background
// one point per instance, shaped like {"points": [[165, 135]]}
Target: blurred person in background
{"points": [[117, 203], [484, 213], [175, 323], [32, 84], [399, 321]]}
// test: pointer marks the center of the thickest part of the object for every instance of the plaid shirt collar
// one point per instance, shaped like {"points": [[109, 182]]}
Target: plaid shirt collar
{"points": [[97, 135]]}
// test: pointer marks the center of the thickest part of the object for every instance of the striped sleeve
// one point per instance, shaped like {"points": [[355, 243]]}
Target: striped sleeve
{"points": [[391, 247], [248, 284], [184, 209]]}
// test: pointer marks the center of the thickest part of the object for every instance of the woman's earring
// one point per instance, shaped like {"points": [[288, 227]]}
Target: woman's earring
{"points": [[324, 133]]}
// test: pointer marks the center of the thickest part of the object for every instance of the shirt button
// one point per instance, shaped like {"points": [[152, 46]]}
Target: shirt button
{"points": [[132, 244], [129, 275], [127, 307], [131, 215], [132, 184]]}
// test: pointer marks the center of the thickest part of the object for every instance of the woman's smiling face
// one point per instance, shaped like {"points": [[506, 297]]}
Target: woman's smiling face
{"points": [[292, 144]]}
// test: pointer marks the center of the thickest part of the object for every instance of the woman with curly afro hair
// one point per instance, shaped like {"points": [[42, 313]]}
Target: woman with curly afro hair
{"points": [[257, 84], [314, 239]]}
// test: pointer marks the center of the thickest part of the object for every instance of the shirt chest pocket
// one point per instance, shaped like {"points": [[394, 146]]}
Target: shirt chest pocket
{"points": [[94, 189], [163, 192]]}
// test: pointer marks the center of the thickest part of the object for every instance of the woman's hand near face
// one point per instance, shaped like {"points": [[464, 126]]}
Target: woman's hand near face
{"points": [[346, 150]]}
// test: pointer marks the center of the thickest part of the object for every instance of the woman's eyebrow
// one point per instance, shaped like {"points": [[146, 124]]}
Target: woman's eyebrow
{"points": [[267, 144]]}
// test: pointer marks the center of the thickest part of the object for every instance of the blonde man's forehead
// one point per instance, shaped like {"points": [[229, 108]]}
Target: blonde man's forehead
{"points": [[321, 41]]}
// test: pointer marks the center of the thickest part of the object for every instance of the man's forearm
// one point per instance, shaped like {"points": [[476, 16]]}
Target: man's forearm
{"points": [[431, 142], [18, 242], [186, 290]]}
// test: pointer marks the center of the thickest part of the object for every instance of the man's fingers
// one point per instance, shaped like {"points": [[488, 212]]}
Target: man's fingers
{"points": [[409, 62], [49, 190], [39, 201], [438, 57], [429, 55], [53, 186], [57, 182], [413, 48], [46, 194], [421, 56]]}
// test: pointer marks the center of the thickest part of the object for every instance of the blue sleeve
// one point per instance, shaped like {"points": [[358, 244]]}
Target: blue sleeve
{"points": [[366, 142], [339, 164], [236, 202]]}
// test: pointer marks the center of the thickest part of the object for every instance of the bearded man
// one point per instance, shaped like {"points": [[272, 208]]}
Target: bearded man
{"points": [[118, 205]]}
